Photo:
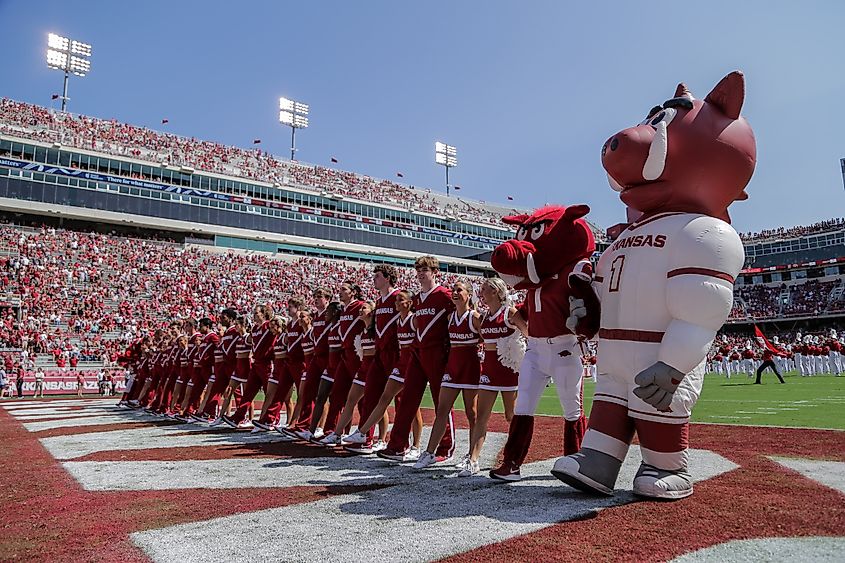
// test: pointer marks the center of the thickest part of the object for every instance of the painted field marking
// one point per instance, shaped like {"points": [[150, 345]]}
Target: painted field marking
{"points": [[175, 436], [263, 472], [421, 518], [819, 549], [828, 473]]}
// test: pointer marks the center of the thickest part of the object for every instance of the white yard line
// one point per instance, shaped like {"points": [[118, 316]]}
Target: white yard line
{"points": [[422, 518]]}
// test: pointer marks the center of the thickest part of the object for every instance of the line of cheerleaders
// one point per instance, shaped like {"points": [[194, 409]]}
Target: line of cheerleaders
{"points": [[342, 356]]}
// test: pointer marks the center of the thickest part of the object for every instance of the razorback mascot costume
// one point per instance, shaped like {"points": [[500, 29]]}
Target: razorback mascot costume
{"points": [[550, 244], [665, 285]]}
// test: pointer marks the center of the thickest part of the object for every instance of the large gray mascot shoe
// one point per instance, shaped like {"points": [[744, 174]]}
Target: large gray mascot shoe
{"points": [[589, 470], [662, 484]]}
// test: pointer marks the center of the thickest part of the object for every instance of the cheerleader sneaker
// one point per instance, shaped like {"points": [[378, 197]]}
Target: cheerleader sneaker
{"points": [[379, 446], [507, 472], [356, 437], [469, 468], [216, 422], [262, 426], [330, 441], [245, 424], [426, 460]]}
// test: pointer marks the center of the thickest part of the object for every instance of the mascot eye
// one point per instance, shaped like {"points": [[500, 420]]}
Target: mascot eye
{"points": [[666, 116], [537, 231], [520, 233]]}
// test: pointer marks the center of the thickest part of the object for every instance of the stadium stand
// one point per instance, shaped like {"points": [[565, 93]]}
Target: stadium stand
{"points": [[85, 295], [111, 137]]}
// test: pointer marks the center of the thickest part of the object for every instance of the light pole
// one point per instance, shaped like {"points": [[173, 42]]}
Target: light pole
{"points": [[69, 56], [294, 115], [446, 156]]}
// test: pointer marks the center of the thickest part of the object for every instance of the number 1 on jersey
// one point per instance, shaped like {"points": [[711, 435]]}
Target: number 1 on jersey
{"points": [[616, 273]]}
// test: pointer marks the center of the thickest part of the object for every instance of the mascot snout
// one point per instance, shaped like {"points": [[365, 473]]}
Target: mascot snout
{"points": [[514, 261]]}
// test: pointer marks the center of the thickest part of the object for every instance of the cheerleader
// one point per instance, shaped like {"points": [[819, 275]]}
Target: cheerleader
{"points": [[503, 330], [368, 351], [406, 333], [278, 379], [318, 416], [241, 374], [305, 321], [463, 370]]}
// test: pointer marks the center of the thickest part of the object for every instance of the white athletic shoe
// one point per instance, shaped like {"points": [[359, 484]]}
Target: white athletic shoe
{"points": [[356, 437], [469, 469], [426, 460], [245, 424], [318, 433], [462, 462], [216, 422], [330, 441], [412, 455], [380, 445], [304, 434]]}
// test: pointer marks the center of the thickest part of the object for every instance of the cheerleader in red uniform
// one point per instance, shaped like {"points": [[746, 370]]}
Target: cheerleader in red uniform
{"points": [[367, 351], [406, 333], [305, 320], [503, 330], [242, 367], [463, 370], [318, 417]]}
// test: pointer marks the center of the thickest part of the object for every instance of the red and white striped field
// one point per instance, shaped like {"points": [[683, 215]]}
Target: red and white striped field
{"points": [[86, 481]]}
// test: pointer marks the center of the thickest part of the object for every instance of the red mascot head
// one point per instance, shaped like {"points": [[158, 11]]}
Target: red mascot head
{"points": [[688, 155], [547, 241]]}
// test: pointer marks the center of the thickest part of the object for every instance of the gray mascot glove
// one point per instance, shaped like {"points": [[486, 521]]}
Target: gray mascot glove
{"points": [[657, 384]]}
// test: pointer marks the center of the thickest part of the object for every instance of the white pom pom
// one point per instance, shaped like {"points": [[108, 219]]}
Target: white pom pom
{"points": [[511, 350], [359, 347]]}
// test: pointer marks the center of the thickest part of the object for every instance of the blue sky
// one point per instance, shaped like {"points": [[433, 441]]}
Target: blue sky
{"points": [[527, 91]]}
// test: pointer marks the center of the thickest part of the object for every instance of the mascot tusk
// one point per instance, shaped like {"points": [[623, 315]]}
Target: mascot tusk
{"points": [[532, 269], [656, 160]]}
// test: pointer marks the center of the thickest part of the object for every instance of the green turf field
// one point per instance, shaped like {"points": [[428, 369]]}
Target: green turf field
{"points": [[816, 402]]}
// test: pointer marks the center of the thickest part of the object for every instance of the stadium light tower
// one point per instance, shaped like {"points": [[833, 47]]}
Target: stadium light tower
{"points": [[69, 56], [294, 115], [446, 156]]}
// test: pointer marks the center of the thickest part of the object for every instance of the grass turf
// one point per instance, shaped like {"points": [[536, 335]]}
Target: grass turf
{"points": [[806, 402]]}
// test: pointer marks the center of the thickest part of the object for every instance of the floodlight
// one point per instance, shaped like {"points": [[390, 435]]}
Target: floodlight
{"points": [[79, 67], [69, 56], [56, 59], [295, 115], [79, 48], [446, 156], [57, 42]]}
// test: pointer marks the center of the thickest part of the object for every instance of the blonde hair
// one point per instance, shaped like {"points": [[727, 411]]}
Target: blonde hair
{"points": [[500, 287]]}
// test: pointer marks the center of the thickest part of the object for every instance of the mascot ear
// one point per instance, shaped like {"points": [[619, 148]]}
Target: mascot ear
{"points": [[682, 91], [729, 94], [515, 219], [574, 212]]}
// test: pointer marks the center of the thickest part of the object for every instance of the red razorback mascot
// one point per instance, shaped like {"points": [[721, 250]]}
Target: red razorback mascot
{"points": [[665, 285], [550, 244]]}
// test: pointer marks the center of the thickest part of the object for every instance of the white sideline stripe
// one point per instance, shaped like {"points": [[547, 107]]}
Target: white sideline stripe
{"points": [[789, 550], [429, 518], [60, 415], [42, 425], [175, 436], [828, 473], [255, 472], [27, 404], [35, 414]]}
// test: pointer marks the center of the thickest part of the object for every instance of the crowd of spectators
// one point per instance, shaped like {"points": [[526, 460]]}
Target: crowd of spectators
{"points": [[830, 225], [121, 139], [803, 299], [84, 296]]}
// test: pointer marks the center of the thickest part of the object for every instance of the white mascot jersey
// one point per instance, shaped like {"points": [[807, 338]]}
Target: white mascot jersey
{"points": [[666, 287]]}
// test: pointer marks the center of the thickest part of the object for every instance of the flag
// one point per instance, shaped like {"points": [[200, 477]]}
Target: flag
{"points": [[256, 141], [456, 187], [510, 198], [54, 97], [764, 342], [164, 121], [400, 174], [334, 160]]}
